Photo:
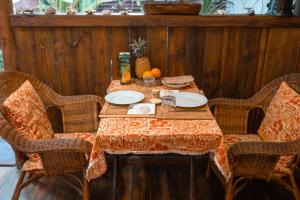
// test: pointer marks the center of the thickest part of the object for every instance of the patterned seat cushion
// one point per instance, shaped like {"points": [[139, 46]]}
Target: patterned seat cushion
{"points": [[30, 165], [282, 121], [37, 164], [228, 140], [25, 111]]}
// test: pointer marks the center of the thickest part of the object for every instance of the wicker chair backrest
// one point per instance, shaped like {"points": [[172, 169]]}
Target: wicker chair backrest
{"points": [[10, 81], [263, 98], [232, 115]]}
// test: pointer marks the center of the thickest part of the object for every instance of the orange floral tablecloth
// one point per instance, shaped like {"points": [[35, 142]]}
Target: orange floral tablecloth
{"points": [[118, 135]]}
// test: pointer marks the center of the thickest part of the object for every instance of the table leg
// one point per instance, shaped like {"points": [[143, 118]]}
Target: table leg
{"points": [[192, 174], [115, 190]]}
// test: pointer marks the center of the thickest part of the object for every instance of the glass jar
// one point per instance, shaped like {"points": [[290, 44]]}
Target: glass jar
{"points": [[124, 63], [149, 82], [168, 104]]}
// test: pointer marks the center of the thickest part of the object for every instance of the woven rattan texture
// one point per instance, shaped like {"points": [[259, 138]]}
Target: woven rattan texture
{"points": [[255, 159], [58, 156]]}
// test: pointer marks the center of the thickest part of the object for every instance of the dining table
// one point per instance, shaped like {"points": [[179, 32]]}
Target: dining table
{"points": [[185, 131]]}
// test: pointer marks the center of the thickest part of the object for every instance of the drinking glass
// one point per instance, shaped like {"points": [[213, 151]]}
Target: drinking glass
{"points": [[168, 104], [149, 82]]}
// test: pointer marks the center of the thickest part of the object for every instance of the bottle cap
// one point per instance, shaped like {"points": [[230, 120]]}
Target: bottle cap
{"points": [[121, 54]]}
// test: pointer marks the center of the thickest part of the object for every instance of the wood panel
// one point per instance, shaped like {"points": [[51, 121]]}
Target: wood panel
{"points": [[82, 20], [119, 43], [212, 60], [176, 51], [42, 55], [7, 44], [21, 49], [101, 69], [230, 62], [82, 56], [195, 41], [283, 53], [226, 62], [249, 45], [157, 52], [63, 62]]}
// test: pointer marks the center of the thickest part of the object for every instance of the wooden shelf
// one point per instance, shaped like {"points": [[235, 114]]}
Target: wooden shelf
{"points": [[153, 20]]}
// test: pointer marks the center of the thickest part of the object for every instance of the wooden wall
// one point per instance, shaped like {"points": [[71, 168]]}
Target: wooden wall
{"points": [[228, 56], [7, 44]]}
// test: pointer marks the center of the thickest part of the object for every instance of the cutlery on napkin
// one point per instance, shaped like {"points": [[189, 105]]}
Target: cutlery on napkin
{"points": [[163, 93], [141, 109], [189, 110]]}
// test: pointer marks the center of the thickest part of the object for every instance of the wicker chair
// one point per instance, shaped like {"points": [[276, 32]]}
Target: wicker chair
{"points": [[58, 156], [253, 160]]}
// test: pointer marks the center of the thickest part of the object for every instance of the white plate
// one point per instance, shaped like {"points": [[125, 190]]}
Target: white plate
{"points": [[190, 100], [175, 86], [124, 97]]}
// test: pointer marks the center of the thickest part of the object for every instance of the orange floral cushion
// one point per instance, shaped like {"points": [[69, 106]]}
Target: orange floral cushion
{"points": [[32, 165], [282, 121], [25, 111]]}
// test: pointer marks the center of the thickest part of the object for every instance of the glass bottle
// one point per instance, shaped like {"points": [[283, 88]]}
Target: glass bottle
{"points": [[124, 61]]}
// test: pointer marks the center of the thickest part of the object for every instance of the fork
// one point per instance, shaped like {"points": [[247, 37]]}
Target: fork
{"points": [[176, 110]]}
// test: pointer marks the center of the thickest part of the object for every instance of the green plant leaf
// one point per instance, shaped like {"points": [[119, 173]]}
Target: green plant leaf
{"points": [[211, 6], [205, 6], [138, 47]]}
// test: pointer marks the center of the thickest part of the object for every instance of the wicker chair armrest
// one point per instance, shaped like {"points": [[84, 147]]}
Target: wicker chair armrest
{"points": [[263, 148], [61, 101], [62, 145], [231, 114], [79, 113], [231, 102], [258, 159], [59, 155]]}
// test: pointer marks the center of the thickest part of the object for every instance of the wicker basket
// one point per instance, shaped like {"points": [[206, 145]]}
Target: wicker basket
{"points": [[172, 8]]}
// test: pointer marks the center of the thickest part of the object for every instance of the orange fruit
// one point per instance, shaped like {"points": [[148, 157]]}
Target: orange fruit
{"points": [[156, 72], [147, 74]]}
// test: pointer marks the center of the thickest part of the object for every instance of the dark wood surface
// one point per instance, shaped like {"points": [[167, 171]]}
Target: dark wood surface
{"points": [[162, 181], [226, 62], [154, 20], [229, 56], [7, 44]]}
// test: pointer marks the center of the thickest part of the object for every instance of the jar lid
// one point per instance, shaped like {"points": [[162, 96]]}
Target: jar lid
{"points": [[124, 54]]}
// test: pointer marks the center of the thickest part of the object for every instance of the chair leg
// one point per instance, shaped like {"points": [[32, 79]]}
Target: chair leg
{"points": [[18, 186], [294, 187], [86, 189], [229, 190], [208, 169]]}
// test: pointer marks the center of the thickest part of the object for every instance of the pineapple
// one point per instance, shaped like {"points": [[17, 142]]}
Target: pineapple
{"points": [[142, 62]]}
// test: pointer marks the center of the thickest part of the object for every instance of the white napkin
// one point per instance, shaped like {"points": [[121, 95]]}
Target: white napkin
{"points": [[163, 93], [142, 109]]}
